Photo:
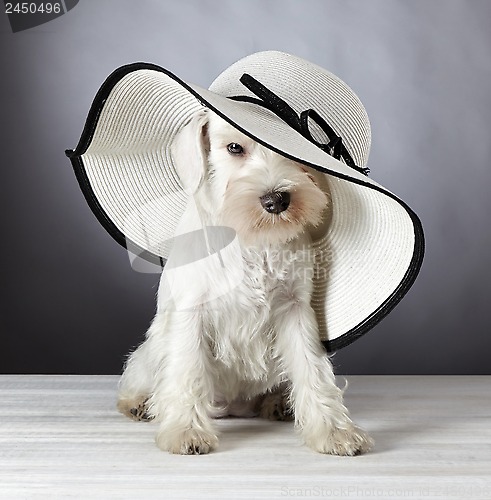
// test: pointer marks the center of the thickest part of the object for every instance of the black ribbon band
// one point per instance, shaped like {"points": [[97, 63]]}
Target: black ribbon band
{"points": [[269, 100]]}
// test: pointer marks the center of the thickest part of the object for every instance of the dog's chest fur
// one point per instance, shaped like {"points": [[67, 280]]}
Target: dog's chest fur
{"points": [[238, 324]]}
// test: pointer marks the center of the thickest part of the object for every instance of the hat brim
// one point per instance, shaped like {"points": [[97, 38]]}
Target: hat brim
{"points": [[126, 172]]}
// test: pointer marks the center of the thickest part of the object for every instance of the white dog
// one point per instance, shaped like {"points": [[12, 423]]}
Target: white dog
{"points": [[252, 348]]}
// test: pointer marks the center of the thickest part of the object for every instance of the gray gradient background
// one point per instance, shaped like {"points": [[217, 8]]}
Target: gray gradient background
{"points": [[70, 302]]}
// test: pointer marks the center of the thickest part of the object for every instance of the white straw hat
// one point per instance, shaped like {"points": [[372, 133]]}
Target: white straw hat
{"points": [[295, 108]]}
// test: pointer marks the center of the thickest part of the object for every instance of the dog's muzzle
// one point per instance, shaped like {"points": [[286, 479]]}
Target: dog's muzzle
{"points": [[275, 202]]}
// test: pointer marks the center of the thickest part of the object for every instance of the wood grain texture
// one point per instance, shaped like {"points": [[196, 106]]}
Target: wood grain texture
{"points": [[61, 437]]}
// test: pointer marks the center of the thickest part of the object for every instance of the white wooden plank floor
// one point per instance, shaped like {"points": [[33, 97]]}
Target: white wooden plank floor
{"points": [[61, 437]]}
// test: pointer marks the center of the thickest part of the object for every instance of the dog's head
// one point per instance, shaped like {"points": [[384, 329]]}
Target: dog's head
{"points": [[263, 196]]}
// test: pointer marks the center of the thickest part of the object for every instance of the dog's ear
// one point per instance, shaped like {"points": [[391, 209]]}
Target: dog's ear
{"points": [[190, 151]]}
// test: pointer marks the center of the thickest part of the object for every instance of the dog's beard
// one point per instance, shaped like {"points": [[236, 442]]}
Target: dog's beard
{"points": [[243, 212]]}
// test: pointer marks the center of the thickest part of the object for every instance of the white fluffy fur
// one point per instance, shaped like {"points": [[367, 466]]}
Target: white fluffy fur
{"points": [[255, 349]]}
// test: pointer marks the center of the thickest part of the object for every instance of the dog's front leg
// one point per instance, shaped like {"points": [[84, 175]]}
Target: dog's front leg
{"points": [[183, 393], [320, 414]]}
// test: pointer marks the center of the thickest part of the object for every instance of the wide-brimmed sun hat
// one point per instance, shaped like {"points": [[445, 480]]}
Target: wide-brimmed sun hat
{"points": [[123, 163]]}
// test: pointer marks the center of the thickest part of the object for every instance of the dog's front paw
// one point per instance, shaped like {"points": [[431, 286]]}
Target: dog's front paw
{"points": [[188, 442], [335, 441]]}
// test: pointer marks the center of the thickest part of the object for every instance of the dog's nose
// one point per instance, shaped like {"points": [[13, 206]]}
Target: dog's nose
{"points": [[275, 202]]}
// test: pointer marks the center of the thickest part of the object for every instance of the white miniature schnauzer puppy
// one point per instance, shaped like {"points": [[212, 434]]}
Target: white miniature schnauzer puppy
{"points": [[254, 350]]}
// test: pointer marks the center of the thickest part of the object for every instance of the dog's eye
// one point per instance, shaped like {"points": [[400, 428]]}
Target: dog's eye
{"points": [[235, 149]]}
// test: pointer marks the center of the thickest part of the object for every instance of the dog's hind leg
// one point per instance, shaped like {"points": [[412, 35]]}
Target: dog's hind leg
{"points": [[275, 405], [137, 382]]}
